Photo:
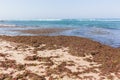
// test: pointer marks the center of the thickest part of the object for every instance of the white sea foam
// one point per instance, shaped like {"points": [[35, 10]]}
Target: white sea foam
{"points": [[9, 25], [49, 19]]}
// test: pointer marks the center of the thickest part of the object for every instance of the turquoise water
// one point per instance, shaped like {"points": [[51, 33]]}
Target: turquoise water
{"points": [[76, 23], [106, 31]]}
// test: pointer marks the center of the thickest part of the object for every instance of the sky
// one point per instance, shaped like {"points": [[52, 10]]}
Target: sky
{"points": [[55, 9]]}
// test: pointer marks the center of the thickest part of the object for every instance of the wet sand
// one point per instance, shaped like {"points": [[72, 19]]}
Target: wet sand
{"points": [[57, 57]]}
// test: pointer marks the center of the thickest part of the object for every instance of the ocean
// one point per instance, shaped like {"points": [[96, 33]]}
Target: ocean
{"points": [[106, 31]]}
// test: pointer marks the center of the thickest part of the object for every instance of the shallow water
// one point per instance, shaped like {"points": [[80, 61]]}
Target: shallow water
{"points": [[106, 31]]}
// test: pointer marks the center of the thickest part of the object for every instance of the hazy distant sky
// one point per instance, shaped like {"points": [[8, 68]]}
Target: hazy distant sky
{"points": [[42, 9]]}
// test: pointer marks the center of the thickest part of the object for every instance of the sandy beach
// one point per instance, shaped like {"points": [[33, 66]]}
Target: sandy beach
{"points": [[57, 58], [59, 39]]}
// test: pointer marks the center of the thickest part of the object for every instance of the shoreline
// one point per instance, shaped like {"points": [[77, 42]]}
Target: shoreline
{"points": [[96, 34], [96, 61]]}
